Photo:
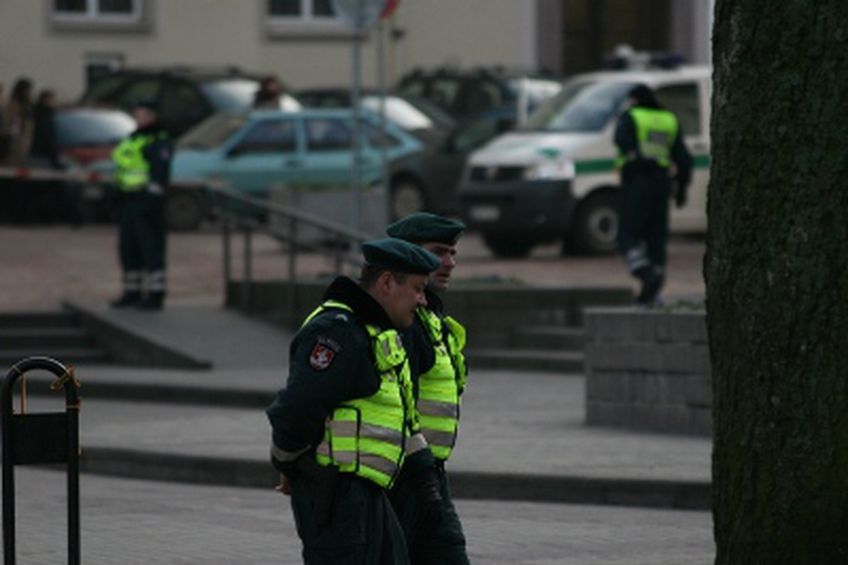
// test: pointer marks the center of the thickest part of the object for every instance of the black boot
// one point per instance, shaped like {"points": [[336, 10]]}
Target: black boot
{"points": [[652, 282], [127, 299], [152, 301]]}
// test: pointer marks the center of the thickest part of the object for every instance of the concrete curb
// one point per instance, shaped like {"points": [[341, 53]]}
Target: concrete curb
{"points": [[128, 345], [682, 495]]}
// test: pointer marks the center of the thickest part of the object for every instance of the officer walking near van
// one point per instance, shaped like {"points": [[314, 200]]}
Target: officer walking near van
{"points": [[345, 424], [434, 532], [142, 162], [652, 160]]}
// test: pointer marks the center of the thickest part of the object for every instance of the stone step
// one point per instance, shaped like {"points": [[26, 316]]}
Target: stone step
{"points": [[66, 356], [556, 338], [570, 362], [14, 320], [43, 337]]}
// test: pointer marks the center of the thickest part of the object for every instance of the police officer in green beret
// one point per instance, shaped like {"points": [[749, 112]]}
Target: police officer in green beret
{"points": [[345, 425], [436, 342]]}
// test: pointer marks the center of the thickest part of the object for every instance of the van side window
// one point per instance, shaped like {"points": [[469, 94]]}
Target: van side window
{"points": [[270, 136], [682, 99]]}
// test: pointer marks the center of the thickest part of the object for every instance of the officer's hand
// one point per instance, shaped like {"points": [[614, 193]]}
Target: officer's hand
{"points": [[285, 485]]}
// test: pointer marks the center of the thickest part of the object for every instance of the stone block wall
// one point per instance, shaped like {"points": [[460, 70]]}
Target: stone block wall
{"points": [[648, 370]]}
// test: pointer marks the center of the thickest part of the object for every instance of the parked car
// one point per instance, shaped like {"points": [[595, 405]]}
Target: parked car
{"points": [[407, 112], [428, 179], [306, 150], [554, 178], [184, 96], [464, 94]]}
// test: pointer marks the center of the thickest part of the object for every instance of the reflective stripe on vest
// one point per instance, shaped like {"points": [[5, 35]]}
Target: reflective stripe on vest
{"points": [[367, 436], [656, 130], [439, 388], [132, 171]]}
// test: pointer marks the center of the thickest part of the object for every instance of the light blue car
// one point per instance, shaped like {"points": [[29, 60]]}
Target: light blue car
{"points": [[303, 150]]}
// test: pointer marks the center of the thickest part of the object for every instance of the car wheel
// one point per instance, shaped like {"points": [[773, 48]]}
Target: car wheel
{"points": [[595, 226], [506, 248], [184, 210], [407, 197]]}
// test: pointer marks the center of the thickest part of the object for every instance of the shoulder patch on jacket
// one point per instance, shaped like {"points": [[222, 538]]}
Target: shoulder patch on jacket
{"points": [[323, 353]]}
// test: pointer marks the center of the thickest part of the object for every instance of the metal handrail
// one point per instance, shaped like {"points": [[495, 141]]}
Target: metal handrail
{"points": [[345, 240]]}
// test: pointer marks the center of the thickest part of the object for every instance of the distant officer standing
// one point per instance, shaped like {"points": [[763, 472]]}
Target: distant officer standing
{"points": [[651, 156], [434, 533], [143, 162], [343, 426]]}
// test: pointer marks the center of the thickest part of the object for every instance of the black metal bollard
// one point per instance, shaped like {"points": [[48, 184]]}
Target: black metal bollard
{"points": [[38, 439]]}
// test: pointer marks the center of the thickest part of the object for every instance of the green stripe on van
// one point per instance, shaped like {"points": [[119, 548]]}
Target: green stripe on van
{"points": [[597, 166]]}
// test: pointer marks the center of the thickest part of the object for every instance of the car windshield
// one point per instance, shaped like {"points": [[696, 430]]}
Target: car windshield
{"points": [[212, 132], [78, 128], [230, 94], [580, 107]]}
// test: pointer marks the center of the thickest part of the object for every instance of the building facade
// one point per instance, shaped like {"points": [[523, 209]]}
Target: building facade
{"points": [[62, 43]]}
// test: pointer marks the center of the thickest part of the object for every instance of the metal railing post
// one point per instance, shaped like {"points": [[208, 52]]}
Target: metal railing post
{"points": [[248, 268], [292, 269], [226, 237]]}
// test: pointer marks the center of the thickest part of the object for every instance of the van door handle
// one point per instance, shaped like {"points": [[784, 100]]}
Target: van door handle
{"points": [[292, 162]]}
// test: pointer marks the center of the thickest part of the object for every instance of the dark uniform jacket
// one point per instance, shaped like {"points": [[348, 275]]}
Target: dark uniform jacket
{"points": [[331, 361]]}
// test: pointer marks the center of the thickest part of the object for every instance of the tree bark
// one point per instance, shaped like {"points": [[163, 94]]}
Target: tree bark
{"points": [[777, 281]]}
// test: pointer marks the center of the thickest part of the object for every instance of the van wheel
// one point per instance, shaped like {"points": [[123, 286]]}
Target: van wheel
{"points": [[595, 226], [507, 248], [184, 210], [407, 196]]}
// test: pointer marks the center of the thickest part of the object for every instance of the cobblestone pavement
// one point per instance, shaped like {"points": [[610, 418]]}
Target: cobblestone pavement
{"points": [[43, 265], [131, 522]]}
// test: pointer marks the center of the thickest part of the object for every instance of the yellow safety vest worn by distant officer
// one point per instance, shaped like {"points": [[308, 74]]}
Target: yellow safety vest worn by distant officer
{"points": [[440, 387], [656, 131], [368, 436], [132, 169]]}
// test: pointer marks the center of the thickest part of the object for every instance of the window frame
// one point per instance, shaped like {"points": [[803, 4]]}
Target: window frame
{"points": [[94, 19], [305, 25]]}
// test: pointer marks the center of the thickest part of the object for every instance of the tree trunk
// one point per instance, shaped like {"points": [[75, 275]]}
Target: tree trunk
{"points": [[777, 281]]}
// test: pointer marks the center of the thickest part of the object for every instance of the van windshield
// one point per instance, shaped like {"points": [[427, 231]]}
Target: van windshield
{"points": [[581, 107]]}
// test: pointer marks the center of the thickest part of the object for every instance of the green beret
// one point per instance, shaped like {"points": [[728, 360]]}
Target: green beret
{"points": [[399, 256], [423, 227]]}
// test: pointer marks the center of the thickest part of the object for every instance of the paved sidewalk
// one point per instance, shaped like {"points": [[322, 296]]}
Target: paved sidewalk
{"points": [[128, 522]]}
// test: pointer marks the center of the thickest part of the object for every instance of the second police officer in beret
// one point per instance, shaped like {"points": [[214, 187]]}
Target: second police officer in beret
{"points": [[434, 533], [344, 425]]}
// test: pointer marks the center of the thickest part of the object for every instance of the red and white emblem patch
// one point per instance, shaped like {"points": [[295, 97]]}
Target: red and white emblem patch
{"points": [[321, 357]]}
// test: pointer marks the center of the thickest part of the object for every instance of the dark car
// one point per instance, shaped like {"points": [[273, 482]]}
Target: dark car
{"points": [[463, 94], [428, 179], [183, 96]]}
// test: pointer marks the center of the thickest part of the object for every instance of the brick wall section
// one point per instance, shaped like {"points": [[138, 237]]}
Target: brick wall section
{"points": [[648, 370]]}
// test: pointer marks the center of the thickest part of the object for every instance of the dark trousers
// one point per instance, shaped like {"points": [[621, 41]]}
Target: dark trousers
{"points": [[362, 530], [141, 233], [439, 543], [643, 218]]}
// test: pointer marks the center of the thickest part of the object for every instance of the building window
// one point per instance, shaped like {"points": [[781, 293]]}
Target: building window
{"points": [[294, 19], [97, 10], [307, 11]]}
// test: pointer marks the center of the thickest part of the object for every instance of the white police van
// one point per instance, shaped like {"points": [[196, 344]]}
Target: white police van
{"points": [[554, 177]]}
